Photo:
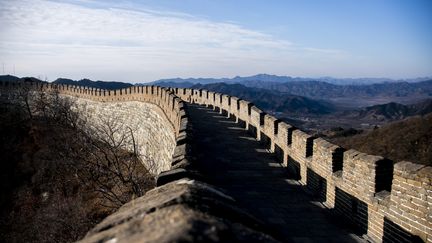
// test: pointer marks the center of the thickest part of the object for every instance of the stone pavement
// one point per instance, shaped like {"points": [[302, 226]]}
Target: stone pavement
{"points": [[234, 161]]}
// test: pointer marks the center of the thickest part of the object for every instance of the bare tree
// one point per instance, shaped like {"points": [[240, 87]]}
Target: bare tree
{"points": [[104, 154], [110, 161], [20, 98]]}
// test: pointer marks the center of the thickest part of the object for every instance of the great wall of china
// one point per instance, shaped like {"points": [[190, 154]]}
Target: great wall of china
{"points": [[385, 201]]}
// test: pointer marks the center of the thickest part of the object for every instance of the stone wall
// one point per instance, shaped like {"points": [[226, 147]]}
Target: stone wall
{"points": [[153, 133], [386, 202], [155, 114]]}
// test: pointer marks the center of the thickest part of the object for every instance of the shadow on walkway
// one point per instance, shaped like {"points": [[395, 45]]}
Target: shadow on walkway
{"points": [[233, 160]]}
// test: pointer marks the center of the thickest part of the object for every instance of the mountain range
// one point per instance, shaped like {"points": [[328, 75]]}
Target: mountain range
{"points": [[289, 104], [271, 101], [326, 90], [282, 79], [368, 93], [390, 101]]}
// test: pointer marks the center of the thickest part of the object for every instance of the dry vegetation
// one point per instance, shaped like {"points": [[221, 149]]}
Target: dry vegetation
{"points": [[59, 177], [409, 139]]}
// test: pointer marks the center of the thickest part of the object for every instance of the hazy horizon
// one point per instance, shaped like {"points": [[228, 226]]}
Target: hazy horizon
{"points": [[370, 79], [142, 41]]}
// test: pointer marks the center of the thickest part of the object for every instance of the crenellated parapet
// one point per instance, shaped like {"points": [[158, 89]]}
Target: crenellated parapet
{"points": [[385, 201]]}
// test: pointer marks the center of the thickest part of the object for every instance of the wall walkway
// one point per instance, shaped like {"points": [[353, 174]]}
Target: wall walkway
{"points": [[231, 159], [384, 201]]}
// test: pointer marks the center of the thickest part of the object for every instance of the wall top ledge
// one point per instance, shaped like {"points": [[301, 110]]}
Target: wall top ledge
{"points": [[285, 125], [301, 134], [325, 144], [363, 157], [257, 110], [414, 171]]}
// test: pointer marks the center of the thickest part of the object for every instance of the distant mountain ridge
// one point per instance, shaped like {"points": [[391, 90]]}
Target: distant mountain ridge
{"points": [[349, 95], [271, 100], [326, 90], [264, 78], [111, 85], [10, 78]]}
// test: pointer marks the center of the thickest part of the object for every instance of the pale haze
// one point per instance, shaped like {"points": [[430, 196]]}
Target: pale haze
{"points": [[140, 41]]}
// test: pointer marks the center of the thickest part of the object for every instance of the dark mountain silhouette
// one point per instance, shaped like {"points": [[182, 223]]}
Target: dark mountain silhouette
{"points": [[10, 78], [409, 139], [271, 100], [83, 82], [94, 84]]}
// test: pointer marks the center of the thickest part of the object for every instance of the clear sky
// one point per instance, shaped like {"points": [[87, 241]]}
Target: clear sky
{"points": [[138, 41]]}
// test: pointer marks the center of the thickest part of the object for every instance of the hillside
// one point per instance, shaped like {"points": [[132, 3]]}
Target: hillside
{"points": [[409, 139], [94, 84], [391, 111], [271, 100]]}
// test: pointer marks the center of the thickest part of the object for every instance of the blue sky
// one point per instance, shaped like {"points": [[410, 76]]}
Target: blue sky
{"points": [[140, 41]]}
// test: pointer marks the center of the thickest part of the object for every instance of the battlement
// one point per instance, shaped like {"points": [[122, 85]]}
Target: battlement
{"points": [[385, 201]]}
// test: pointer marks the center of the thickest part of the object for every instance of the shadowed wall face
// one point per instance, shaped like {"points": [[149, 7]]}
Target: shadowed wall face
{"points": [[153, 133]]}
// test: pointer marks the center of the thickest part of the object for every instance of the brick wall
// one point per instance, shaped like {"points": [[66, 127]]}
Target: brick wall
{"points": [[164, 117]]}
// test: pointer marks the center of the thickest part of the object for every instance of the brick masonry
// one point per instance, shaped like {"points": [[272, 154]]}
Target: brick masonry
{"points": [[153, 133]]}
